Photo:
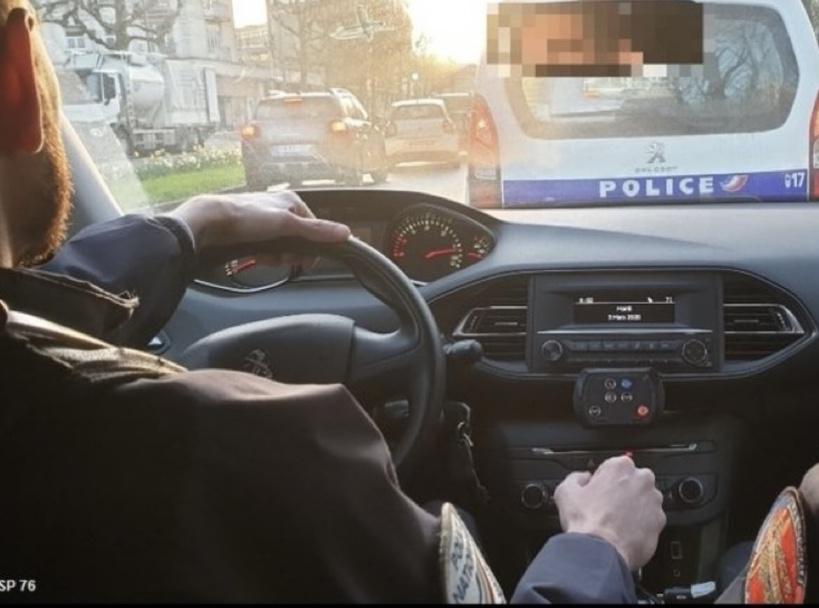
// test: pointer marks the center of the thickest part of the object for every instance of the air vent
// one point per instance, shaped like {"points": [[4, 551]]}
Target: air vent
{"points": [[759, 321], [500, 321]]}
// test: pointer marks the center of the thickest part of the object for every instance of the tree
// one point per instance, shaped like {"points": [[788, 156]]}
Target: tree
{"points": [[115, 24], [373, 69]]}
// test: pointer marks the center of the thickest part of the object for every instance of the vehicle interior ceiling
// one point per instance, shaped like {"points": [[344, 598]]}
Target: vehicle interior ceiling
{"points": [[742, 431]]}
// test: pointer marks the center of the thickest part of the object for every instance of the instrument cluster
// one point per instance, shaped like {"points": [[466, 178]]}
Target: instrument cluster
{"points": [[427, 242]]}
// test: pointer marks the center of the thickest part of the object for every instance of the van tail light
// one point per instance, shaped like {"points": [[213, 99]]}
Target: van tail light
{"points": [[251, 132], [338, 127], [484, 158], [813, 161]]}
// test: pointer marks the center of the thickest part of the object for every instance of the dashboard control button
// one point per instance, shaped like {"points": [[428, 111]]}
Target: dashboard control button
{"points": [[643, 412], [627, 384], [610, 384], [611, 398], [553, 351], [691, 491], [695, 352], [534, 496], [595, 411], [627, 397]]}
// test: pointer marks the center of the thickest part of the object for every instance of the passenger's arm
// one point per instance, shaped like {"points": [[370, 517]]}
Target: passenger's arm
{"points": [[577, 569], [612, 522]]}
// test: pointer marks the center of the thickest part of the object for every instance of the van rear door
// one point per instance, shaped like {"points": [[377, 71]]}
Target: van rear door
{"points": [[734, 130]]}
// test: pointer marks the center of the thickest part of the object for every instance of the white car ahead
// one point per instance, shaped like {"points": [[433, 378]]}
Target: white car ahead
{"points": [[421, 130], [743, 128]]}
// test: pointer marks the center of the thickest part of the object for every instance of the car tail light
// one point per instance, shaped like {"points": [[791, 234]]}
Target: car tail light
{"points": [[391, 130], [813, 161], [338, 127], [449, 127], [484, 158], [251, 132]]}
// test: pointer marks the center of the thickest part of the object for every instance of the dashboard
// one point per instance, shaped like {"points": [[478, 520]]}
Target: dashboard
{"points": [[548, 294], [683, 335]]}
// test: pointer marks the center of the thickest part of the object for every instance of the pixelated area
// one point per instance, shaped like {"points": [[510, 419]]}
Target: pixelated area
{"points": [[600, 38]]}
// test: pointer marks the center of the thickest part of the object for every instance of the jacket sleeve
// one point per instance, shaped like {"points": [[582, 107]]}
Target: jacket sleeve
{"points": [[150, 258], [577, 569]]}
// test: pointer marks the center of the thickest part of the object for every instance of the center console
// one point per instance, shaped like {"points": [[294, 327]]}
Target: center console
{"points": [[620, 337], [522, 464]]}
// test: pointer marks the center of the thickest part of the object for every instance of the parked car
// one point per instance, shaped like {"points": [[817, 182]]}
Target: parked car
{"points": [[422, 130], [737, 131], [312, 136], [459, 106]]}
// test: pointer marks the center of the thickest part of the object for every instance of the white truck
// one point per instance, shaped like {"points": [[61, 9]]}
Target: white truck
{"points": [[150, 102]]}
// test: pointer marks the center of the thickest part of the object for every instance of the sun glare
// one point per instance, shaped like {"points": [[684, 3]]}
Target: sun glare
{"points": [[453, 29]]}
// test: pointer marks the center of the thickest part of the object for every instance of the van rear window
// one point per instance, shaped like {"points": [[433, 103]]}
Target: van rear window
{"points": [[747, 84], [304, 108]]}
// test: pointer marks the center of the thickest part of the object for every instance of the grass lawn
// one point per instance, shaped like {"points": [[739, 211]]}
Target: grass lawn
{"points": [[177, 187]]}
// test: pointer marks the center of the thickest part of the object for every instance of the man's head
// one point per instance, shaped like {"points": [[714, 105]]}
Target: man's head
{"points": [[34, 177]]}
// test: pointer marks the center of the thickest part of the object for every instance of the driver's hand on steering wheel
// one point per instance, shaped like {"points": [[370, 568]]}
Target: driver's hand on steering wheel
{"points": [[238, 219], [619, 504]]}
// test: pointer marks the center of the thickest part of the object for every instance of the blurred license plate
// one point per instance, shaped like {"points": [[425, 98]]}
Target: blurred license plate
{"points": [[293, 150]]}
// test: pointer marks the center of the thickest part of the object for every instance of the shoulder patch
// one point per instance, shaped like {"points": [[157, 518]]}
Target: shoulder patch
{"points": [[778, 570], [465, 575]]}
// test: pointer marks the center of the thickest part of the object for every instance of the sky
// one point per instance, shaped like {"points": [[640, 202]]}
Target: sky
{"points": [[454, 28]]}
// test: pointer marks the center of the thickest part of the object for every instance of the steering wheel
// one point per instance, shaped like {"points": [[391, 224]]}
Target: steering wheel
{"points": [[332, 349]]}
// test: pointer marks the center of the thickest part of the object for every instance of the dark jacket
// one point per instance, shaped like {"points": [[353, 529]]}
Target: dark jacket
{"points": [[213, 485]]}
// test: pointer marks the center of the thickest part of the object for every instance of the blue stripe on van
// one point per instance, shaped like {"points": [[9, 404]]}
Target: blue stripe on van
{"points": [[776, 186]]}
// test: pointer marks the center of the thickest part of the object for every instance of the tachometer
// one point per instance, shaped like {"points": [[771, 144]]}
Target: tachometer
{"points": [[426, 246], [481, 247]]}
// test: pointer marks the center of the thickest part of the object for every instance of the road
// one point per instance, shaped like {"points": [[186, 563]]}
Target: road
{"points": [[439, 180]]}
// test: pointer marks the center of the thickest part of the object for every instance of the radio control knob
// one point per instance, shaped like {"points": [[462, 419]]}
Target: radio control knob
{"points": [[691, 491], [695, 352], [553, 351], [534, 496]]}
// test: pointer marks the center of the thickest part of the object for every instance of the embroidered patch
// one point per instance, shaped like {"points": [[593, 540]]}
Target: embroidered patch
{"points": [[466, 577], [778, 570]]}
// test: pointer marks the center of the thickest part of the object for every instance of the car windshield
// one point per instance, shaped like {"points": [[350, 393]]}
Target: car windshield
{"points": [[550, 104]]}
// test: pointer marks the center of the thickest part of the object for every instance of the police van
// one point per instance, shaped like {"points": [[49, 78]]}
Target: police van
{"points": [[742, 128]]}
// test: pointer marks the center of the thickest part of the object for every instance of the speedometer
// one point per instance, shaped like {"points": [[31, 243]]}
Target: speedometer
{"points": [[426, 246]]}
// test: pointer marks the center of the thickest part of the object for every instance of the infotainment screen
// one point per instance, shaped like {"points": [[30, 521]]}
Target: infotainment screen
{"points": [[643, 310]]}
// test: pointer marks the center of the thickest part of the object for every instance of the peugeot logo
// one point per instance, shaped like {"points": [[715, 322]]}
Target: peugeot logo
{"points": [[258, 364], [656, 152]]}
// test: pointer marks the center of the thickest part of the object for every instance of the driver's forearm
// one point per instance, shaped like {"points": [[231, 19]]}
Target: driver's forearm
{"points": [[152, 259], [576, 569]]}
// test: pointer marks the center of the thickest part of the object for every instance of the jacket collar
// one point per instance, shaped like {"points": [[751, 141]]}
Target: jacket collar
{"points": [[60, 299]]}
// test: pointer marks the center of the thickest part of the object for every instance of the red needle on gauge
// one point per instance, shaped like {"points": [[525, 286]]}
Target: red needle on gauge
{"points": [[440, 253]]}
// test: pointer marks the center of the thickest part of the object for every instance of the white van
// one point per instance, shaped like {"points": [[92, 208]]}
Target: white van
{"points": [[745, 131]]}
